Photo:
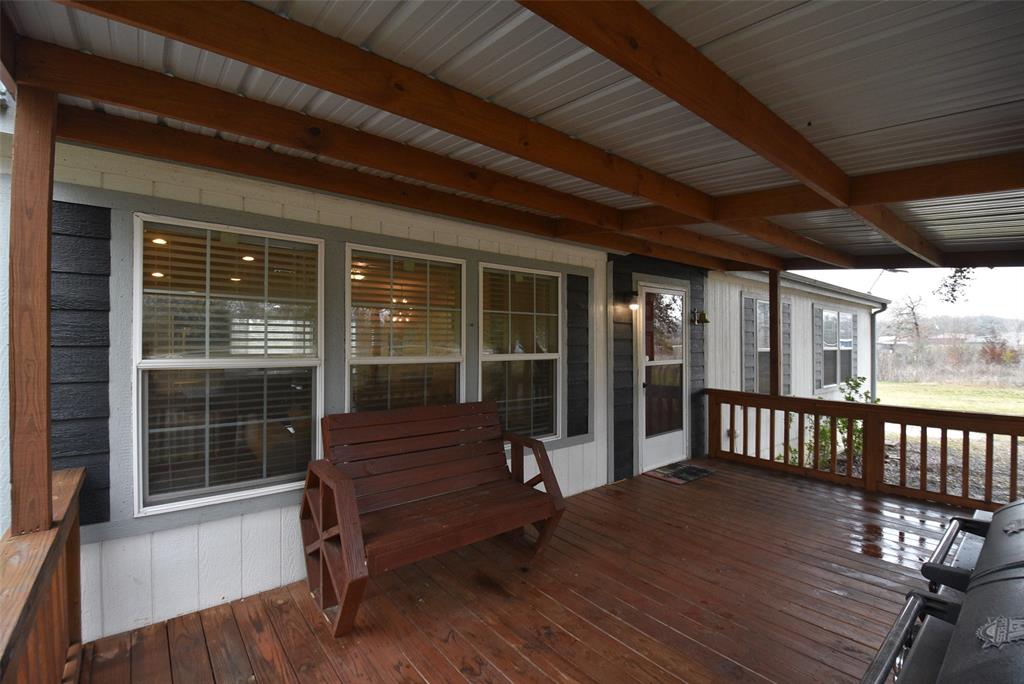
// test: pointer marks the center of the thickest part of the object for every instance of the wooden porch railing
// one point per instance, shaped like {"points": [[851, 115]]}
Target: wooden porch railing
{"points": [[965, 459], [40, 594]]}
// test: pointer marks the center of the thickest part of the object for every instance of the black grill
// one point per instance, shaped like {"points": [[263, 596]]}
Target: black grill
{"points": [[968, 626]]}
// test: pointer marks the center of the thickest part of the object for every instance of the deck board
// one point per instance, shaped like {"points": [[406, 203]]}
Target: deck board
{"points": [[743, 576]]}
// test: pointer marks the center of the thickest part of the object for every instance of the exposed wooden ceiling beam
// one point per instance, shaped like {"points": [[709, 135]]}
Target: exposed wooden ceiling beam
{"points": [[891, 225], [976, 259], [61, 70], [632, 37], [999, 173], [152, 140], [979, 176], [8, 42], [250, 34], [655, 217], [705, 244], [95, 78], [771, 233], [635, 245]]}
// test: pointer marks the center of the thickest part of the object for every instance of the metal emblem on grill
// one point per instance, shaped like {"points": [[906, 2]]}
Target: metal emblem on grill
{"points": [[999, 631], [1014, 526]]}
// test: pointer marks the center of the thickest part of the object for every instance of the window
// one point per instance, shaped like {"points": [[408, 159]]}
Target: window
{"points": [[227, 357], [837, 329], [764, 361], [520, 348], [405, 331], [846, 370]]}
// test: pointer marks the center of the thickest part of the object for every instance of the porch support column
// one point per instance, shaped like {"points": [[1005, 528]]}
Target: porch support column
{"points": [[775, 331], [29, 296]]}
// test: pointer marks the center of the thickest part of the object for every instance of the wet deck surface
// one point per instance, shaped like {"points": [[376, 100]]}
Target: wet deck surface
{"points": [[741, 576]]}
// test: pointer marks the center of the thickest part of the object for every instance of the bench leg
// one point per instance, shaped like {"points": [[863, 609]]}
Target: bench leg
{"points": [[546, 529], [349, 598]]}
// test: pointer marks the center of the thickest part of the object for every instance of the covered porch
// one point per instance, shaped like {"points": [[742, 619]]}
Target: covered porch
{"points": [[342, 136], [744, 575]]}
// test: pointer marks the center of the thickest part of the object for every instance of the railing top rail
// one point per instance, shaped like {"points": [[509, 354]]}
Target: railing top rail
{"points": [[957, 420], [28, 560]]}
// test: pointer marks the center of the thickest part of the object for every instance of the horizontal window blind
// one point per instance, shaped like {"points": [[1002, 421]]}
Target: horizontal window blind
{"points": [[229, 363], [405, 331]]}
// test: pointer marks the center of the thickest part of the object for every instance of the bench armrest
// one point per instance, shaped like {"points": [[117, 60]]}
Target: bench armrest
{"points": [[350, 529], [540, 454]]}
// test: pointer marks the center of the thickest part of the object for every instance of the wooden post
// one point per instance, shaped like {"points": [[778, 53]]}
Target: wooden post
{"points": [[873, 458], [715, 427], [31, 197], [775, 331]]}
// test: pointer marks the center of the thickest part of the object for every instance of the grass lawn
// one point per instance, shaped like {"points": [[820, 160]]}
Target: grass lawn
{"points": [[1006, 400]]}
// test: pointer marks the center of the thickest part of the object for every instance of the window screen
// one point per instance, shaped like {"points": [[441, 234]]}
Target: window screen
{"points": [[229, 360], [405, 331], [520, 352]]}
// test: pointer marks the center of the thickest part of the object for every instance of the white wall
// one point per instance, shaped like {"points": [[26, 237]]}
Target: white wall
{"points": [[133, 580], [723, 301]]}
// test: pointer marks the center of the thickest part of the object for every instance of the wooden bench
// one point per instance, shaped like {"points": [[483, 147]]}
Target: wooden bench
{"points": [[395, 487]]}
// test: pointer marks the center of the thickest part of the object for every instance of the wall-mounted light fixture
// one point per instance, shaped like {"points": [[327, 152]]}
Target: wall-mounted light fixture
{"points": [[634, 301], [699, 317]]}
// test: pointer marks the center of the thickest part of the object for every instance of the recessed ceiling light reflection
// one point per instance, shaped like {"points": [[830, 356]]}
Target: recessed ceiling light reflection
{"points": [[157, 274], [159, 241]]}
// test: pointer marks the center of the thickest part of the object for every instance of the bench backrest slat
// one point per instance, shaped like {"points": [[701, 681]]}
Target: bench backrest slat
{"points": [[403, 455]]}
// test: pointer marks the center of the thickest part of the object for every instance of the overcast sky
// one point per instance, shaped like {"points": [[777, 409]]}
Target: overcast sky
{"points": [[993, 291]]}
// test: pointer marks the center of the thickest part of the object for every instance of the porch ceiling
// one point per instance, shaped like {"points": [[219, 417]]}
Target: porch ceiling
{"points": [[874, 86]]}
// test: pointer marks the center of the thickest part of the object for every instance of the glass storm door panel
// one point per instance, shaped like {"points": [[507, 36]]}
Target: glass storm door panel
{"points": [[662, 376]]}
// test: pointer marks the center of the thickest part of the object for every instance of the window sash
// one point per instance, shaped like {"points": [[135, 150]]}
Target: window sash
{"points": [[146, 505], [486, 357], [352, 301]]}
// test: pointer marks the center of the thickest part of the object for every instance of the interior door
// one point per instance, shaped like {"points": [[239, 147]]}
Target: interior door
{"points": [[662, 376]]}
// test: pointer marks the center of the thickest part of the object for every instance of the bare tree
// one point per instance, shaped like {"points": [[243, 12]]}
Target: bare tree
{"points": [[907, 321]]}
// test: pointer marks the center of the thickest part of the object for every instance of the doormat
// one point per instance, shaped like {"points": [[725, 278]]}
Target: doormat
{"points": [[678, 473]]}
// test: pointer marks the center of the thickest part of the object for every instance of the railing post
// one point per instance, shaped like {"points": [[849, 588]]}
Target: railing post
{"points": [[714, 426], [874, 451]]}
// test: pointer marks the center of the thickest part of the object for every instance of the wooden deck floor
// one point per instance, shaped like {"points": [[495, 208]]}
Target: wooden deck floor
{"points": [[741, 576]]}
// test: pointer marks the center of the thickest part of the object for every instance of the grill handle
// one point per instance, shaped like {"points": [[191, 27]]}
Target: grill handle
{"points": [[901, 633], [935, 571]]}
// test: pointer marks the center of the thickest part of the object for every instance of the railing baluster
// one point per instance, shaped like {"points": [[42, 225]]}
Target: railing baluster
{"points": [[746, 410], [817, 441], [924, 458], [849, 447], [989, 440], [965, 480], [903, 454], [833, 439], [771, 434], [801, 439], [943, 460], [1013, 468], [732, 428], [785, 437], [757, 432]]}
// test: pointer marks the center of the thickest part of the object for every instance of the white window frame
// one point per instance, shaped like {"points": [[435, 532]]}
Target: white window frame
{"points": [[557, 357], [139, 365], [758, 301], [838, 349], [400, 360]]}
